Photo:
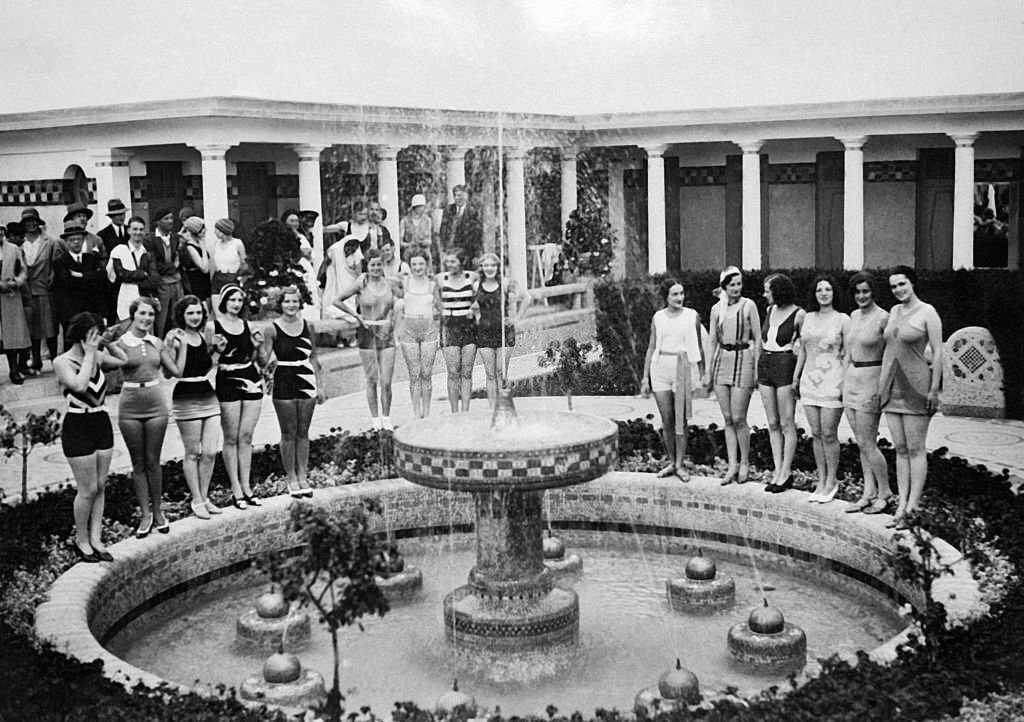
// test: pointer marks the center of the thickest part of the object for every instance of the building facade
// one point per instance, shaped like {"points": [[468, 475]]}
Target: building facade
{"points": [[933, 182]]}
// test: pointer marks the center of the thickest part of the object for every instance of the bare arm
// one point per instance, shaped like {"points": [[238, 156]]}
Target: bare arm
{"points": [[199, 257], [77, 381], [712, 344], [176, 351], [645, 386], [933, 325]]}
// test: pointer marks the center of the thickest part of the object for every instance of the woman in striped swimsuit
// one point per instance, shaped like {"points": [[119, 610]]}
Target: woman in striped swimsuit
{"points": [[297, 387], [734, 348], [455, 291], [86, 435]]}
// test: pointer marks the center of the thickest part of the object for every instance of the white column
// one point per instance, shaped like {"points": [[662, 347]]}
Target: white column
{"points": [[387, 185], [310, 198], [455, 168], [853, 203], [656, 254], [751, 202], [568, 184], [215, 182], [110, 168], [617, 217], [516, 212], [963, 200]]}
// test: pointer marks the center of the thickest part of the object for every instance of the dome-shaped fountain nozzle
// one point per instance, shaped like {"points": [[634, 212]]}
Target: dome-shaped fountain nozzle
{"points": [[281, 668], [271, 605], [701, 568], [679, 684], [766, 619]]}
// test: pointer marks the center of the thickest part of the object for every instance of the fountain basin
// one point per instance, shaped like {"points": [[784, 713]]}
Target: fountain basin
{"points": [[268, 632]]}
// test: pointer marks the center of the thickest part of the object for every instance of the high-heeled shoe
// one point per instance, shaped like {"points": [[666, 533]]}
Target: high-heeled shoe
{"points": [[103, 555], [240, 503], [306, 493], [253, 501], [744, 475], [164, 528], [89, 558], [826, 498], [144, 529], [858, 506]]}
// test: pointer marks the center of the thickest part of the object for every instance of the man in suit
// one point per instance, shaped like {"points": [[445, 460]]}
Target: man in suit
{"points": [[113, 235], [162, 244], [462, 228], [79, 278], [81, 213], [378, 234]]}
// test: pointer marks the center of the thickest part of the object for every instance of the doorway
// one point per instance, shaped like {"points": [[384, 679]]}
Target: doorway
{"points": [[256, 197]]}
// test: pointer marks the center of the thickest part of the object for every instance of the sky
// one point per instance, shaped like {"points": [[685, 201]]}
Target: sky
{"points": [[545, 56]]}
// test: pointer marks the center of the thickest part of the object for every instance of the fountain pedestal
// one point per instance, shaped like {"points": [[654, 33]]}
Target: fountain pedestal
{"points": [[511, 601]]}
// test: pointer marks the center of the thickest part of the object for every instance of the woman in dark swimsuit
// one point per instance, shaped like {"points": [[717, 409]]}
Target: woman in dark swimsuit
{"points": [[454, 289], [297, 387], [775, 369], [239, 390], [491, 292]]}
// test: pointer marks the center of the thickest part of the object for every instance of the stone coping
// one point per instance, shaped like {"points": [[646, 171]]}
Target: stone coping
{"points": [[92, 602]]}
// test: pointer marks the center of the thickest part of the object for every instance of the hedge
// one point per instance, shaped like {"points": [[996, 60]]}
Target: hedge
{"points": [[990, 298]]}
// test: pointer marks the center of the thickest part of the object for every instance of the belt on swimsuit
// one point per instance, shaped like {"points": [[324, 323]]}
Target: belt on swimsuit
{"points": [[668, 353], [419, 315], [234, 367], [141, 384], [460, 313], [89, 410], [293, 363], [736, 346], [777, 352], [193, 379], [865, 364]]}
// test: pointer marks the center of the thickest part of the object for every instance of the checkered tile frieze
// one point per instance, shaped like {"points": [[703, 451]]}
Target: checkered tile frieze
{"points": [[193, 187], [790, 173], [46, 192], [891, 171], [541, 468], [997, 170], [705, 175]]}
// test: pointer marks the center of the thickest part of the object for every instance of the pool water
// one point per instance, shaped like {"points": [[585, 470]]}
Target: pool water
{"points": [[628, 636]]}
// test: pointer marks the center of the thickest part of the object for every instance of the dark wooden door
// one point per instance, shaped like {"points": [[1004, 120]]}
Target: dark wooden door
{"points": [[634, 187], [255, 194], [934, 247], [829, 197], [166, 185]]}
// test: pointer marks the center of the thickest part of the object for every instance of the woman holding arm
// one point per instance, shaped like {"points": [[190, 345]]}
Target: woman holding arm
{"points": [[419, 331], [734, 349], [87, 437], [775, 375], [142, 411], [455, 290], [819, 379], [865, 343], [239, 389], [375, 316], [132, 267], [227, 257], [195, 261], [909, 386], [297, 387], [491, 293], [675, 349], [193, 400]]}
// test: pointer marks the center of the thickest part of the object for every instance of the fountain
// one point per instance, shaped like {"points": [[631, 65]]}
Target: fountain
{"points": [[700, 588], [556, 559], [511, 601], [284, 682], [272, 622], [397, 579], [677, 688], [766, 639]]}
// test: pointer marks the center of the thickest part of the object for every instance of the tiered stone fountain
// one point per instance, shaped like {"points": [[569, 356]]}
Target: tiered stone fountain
{"points": [[511, 601]]}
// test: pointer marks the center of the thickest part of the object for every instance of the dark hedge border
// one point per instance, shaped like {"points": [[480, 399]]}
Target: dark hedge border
{"points": [[956, 664], [990, 298]]}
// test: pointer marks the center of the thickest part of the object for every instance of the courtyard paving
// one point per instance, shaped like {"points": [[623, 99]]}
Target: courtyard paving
{"points": [[998, 444]]}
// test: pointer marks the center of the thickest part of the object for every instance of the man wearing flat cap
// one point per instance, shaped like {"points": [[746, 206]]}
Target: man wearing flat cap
{"points": [[163, 245], [81, 213], [79, 277]]}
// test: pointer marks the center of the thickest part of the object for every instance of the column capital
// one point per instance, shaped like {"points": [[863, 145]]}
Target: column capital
{"points": [[963, 140], [750, 146], [569, 155], [456, 153], [387, 152], [516, 152], [213, 151], [309, 151], [655, 150], [854, 142]]}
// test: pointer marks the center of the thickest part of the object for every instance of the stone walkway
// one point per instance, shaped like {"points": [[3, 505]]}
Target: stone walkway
{"points": [[998, 444]]}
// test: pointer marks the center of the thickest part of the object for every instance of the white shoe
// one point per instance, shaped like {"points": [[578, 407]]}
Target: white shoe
{"points": [[200, 510], [375, 423], [386, 423], [213, 508]]}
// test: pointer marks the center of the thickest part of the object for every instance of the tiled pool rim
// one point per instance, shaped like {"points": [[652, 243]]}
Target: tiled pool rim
{"points": [[91, 602]]}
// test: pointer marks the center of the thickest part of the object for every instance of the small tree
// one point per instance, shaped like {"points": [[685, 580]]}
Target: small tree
{"points": [[21, 437], [335, 573], [589, 245], [568, 358]]}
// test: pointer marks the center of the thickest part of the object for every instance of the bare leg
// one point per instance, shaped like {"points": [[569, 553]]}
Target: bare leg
{"points": [[246, 426], [386, 360], [427, 353], [371, 369], [724, 395], [468, 354], [453, 362], [899, 441], [208, 455], [192, 437], [103, 457], [155, 429], [304, 417], [412, 353], [813, 414], [830, 445], [787, 421], [83, 468], [916, 432], [490, 362], [286, 419], [740, 405], [666, 408], [133, 433], [770, 400], [505, 354], [230, 417]]}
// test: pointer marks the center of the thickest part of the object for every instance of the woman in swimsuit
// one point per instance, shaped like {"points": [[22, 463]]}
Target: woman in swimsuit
{"points": [[376, 338], [675, 352], [142, 411], [734, 348], [909, 386], [193, 400], [492, 291], [87, 437], [865, 343], [454, 289], [775, 375], [419, 331], [819, 369], [239, 389], [297, 387]]}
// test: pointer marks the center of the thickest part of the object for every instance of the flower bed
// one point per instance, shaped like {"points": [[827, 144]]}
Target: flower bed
{"points": [[967, 506]]}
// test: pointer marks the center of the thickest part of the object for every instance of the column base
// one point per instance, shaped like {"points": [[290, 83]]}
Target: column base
{"points": [[511, 624]]}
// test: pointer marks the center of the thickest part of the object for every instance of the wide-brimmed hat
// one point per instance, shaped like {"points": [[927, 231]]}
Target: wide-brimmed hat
{"points": [[30, 213], [418, 200], [308, 213], [76, 208], [14, 228], [116, 207], [73, 228]]}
